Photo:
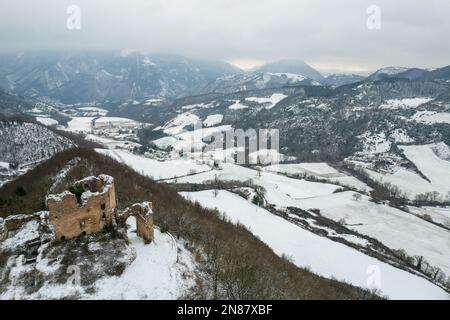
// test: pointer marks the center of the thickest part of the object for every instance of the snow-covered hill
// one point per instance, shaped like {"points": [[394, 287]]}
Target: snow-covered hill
{"points": [[323, 256], [24, 143], [110, 268]]}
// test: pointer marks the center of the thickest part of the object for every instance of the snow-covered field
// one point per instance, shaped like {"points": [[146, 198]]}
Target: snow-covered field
{"points": [[100, 111], [294, 77], [177, 124], [213, 119], [439, 215], [437, 170], [319, 170], [431, 160], [325, 257], [114, 121], [46, 121], [282, 191], [430, 117], [112, 143], [96, 109], [187, 140], [269, 102], [80, 124], [154, 168], [404, 103], [394, 228], [408, 181], [154, 274], [237, 105]]}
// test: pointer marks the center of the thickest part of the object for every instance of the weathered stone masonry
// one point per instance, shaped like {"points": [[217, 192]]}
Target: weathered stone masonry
{"points": [[93, 209], [144, 219]]}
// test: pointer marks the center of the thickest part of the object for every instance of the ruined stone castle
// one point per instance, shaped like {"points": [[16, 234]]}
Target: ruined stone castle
{"points": [[89, 206]]}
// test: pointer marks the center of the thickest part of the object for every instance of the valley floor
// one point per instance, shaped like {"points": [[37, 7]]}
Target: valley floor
{"points": [[320, 251]]}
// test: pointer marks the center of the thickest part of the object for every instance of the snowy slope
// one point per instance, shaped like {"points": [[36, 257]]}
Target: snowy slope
{"points": [[437, 214], [319, 170], [281, 190], [154, 274], [154, 168], [431, 117], [434, 168], [437, 170], [268, 102], [323, 256], [404, 103], [28, 143], [162, 269], [408, 181], [80, 124], [212, 120], [393, 227], [46, 121]]}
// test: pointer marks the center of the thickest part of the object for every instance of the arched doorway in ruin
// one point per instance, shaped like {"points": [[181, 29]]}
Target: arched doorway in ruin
{"points": [[143, 214]]}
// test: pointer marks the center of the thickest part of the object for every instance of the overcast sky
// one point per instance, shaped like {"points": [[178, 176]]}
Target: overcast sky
{"points": [[328, 34]]}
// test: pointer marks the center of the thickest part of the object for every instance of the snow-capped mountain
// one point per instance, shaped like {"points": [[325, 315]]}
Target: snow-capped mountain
{"points": [[86, 77], [438, 74], [291, 66], [256, 81], [322, 122], [336, 80], [411, 73], [386, 72]]}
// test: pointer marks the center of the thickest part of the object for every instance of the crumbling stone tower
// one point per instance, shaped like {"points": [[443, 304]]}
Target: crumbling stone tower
{"points": [[90, 205], [88, 208]]}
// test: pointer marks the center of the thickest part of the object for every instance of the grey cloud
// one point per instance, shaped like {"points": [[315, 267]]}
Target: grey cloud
{"points": [[328, 34]]}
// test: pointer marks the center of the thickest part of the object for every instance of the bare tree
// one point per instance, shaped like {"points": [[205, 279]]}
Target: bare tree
{"points": [[357, 197]]}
